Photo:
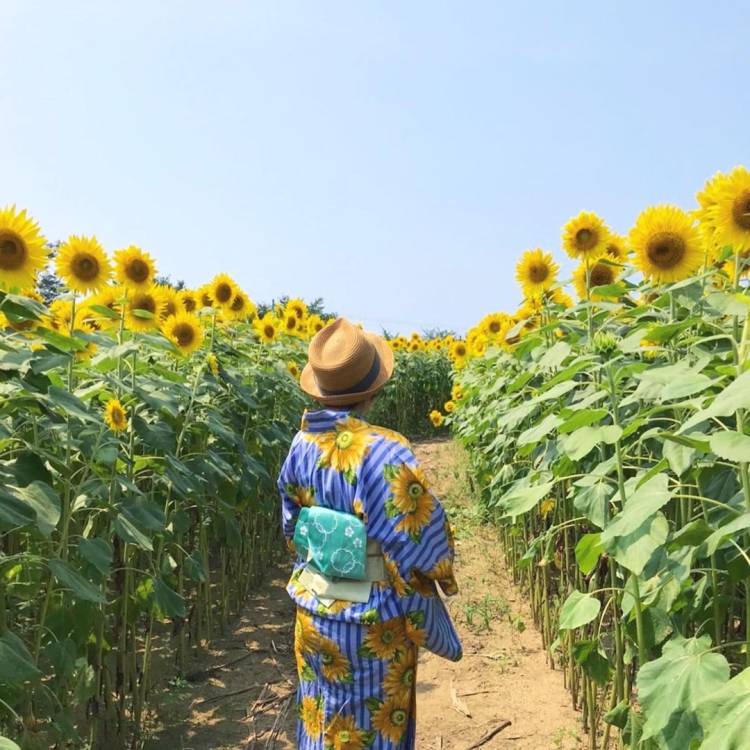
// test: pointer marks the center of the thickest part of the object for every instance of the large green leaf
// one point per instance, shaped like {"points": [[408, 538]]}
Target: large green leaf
{"points": [[98, 552], [593, 661], [735, 396], [168, 600], [593, 502], [16, 664], [6, 744], [578, 610], [725, 715], [45, 503], [73, 580], [69, 404], [588, 551], [671, 688], [521, 499], [639, 506], [733, 446], [537, 432], [580, 443], [634, 550], [14, 512], [725, 532]]}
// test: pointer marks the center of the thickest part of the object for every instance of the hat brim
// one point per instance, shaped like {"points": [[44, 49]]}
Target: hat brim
{"points": [[310, 386]]}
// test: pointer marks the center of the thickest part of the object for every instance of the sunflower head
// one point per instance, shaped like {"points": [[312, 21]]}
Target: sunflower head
{"points": [[169, 301], [109, 297], [189, 300], [293, 369], [143, 309], [223, 290], [61, 314], [83, 265], [314, 324], [666, 244], [458, 349], [585, 236], [115, 415], [134, 268], [436, 418], [729, 215], [298, 307], [588, 276], [184, 330], [536, 271], [267, 328], [617, 248], [22, 249], [290, 322], [241, 307]]}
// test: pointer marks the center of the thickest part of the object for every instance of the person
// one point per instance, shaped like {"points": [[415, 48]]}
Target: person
{"points": [[357, 655]]}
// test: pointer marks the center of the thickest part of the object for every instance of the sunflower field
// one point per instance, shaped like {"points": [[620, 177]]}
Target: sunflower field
{"points": [[610, 440]]}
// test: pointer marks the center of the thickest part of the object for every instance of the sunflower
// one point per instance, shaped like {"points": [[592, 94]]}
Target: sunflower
{"points": [[241, 307], [384, 640], [398, 682], [290, 322], [184, 330], [142, 310], [115, 416], [667, 245], [89, 347], [409, 498], [311, 715], [204, 296], [457, 392], [494, 325], [267, 328], [333, 664], [536, 271], [213, 364], [314, 324], [61, 314], [458, 349], [223, 290], [558, 297], [415, 630], [343, 734], [22, 249], [293, 369], [617, 248], [169, 301], [303, 496], [306, 636], [600, 274], [436, 418], [395, 578], [585, 236], [188, 299], [134, 268], [479, 346], [343, 448], [298, 307], [730, 214], [449, 406], [83, 265], [23, 324], [391, 719], [109, 297]]}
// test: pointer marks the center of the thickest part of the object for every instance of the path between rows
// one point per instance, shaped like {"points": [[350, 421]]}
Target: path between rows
{"points": [[249, 704]]}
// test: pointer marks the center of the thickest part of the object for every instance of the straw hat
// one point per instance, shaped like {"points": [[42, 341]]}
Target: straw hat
{"points": [[346, 365]]}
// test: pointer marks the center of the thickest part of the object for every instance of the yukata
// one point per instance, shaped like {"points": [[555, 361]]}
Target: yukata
{"points": [[356, 662]]}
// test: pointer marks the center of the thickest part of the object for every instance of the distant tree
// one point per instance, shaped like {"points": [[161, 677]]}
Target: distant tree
{"points": [[48, 283], [437, 333], [315, 307], [166, 280]]}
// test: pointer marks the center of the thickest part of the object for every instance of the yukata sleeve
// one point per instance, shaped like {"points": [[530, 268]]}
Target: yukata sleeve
{"points": [[417, 541], [290, 504]]}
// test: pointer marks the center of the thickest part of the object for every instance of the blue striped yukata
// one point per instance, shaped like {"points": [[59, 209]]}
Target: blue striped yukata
{"points": [[356, 662]]}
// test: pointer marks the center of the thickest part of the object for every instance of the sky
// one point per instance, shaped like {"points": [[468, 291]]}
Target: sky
{"points": [[394, 158]]}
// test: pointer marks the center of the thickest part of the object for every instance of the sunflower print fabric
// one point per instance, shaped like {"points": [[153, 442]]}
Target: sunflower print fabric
{"points": [[356, 662]]}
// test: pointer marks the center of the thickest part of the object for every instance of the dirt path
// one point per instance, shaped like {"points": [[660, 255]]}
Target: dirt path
{"points": [[503, 675]]}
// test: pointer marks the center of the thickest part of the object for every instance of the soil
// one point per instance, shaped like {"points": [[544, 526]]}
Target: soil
{"points": [[247, 701]]}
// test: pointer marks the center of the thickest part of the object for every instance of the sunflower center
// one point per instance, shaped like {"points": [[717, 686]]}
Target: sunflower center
{"points": [[586, 239], [461, 350], [12, 252], [291, 322], [398, 717], [117, 415], [188, 303], [85, 267], [495, 326], [145, 303], [238, 304], [614, 252], [206, 300], [741, 210], [170, 308], [415, 490], [538, 272], [344, 736], [269, 331], [327, 659], [387, 637], [223, 293], [601, 275], [666, 249], [138, 270], [408, 678], [344, 439], [184, 334]]}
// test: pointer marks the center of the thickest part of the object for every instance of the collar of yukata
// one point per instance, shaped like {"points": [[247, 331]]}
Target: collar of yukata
{"points": [[322, 420]]}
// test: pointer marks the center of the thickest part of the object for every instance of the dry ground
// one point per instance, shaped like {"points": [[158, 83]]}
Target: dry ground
{"points": [[503, 676]]}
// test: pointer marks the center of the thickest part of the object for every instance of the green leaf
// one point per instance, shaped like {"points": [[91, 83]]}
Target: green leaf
{"points": [[168, 600], [6, 744], [582, 418], [725, 715], [16, 664], [735, 396], [671, 688], [519, 500], [73, 580], [578, 610], [588, 551], [45, 503], [536, 433], [593, 502], [618, 716], [634, 550], [730, 445], [14, 512], [679, 457], [581, 442], [594, 663], [554, 356], [129, 532], [692, 534], [688, 384], [719, 536], [98, 552], [69, 404], [640, 505]]}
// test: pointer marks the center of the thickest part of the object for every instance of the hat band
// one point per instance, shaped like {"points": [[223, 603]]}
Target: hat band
{"points": [[363, 384]]}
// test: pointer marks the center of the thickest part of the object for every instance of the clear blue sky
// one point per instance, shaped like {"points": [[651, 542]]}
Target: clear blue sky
{"points": [[394, 157]]}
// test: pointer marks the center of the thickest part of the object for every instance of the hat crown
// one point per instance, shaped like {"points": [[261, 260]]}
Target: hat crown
{"points": [[340, 356]]}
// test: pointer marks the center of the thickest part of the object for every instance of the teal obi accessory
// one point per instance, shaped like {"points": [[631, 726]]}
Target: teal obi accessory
{"points": [[335, 543]]}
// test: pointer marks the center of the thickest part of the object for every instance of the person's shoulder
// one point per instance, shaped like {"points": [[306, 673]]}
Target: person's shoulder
{"points": [[390, 436]]}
